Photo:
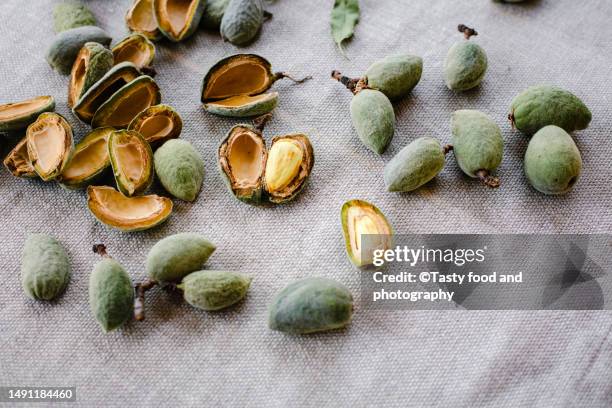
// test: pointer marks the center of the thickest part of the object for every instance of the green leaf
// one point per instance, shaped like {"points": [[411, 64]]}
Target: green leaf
{"points": [[344, 18]]}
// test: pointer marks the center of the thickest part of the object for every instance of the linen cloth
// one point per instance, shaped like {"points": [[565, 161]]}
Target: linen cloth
{"points": [[183, 357]]}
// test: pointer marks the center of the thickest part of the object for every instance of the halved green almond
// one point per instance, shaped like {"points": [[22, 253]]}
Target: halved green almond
{"points": [[127, 213], [242, 161], [18, 162], [50, 145], [132, 161], [141, 19], [125, 104], [178, 19], [243, 106], [288, 166], [240, 74], [19, 115], [92, 62], [115, 79], [136, 49], [157, 124], [362, 218], [89, 160]]}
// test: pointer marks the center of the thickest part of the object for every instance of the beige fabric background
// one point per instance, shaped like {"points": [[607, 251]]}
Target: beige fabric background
{"points": [[183, 357]]}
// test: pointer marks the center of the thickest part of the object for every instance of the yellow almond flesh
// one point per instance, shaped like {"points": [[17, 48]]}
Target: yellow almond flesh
{"points": [[48, 143], [284, 161], [237, 78], [156, 127], [245, 159], [365, 221], [86, 161], [13, 110]]}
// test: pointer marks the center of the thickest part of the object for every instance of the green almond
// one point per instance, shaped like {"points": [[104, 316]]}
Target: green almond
{"points": [[414, 165], [72, 14], [125, 104], [92, 63], [395, 75], [176, 256], [45, 267], [373, 119], [242, 21], [213, 14], [311, 305], [465, 66], [117, 77], [15, 116], [111, 295], [180, 169], [65, 47], [214, 290]]}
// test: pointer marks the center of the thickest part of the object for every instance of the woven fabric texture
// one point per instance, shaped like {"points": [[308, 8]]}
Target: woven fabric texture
{"points": [[183, 357]]}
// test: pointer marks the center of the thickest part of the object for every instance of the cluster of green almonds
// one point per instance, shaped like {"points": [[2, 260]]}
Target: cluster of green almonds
{"points": [[552, 161], [306, 306], [238, 21], [110, 91]]}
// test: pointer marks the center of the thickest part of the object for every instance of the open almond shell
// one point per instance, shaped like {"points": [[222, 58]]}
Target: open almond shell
{"points": [[178, 19], [50, 145], [128, 214], [132, 161], [140, 18], [18, 161], [92, 62], [15, 116], [157, 124]]}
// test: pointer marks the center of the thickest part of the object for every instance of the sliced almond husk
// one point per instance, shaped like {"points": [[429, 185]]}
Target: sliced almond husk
{"points": [[242, 161], [127, 213], [89, 161], [92, 62], [136, 49], [16, 116], [132, 161], [100, 92], [157, 124], [125, 104], [50, 145], [291, 156], [18, 162], [140, 18], [178, 19], [361, 218]]}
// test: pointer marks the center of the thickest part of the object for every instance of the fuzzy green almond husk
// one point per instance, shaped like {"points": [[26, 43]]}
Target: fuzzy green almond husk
{"points": [[111, 295], [395, 75], [180, 169], [168, 25], [311, 305], [477, 142], [158, 124], [218, 67], [465, 66], [120, 109], [373, 118], [92, 63], [383, 227], [118, 76], [89, 161], [543, 105], [45, 267], [256, 107], [140, 157], [552, 161], [176, 256], [72, 14], [213, 13], [242, 21], [16, 116], [214, 290], [38, 144], [414, 165], [252, 194], [66, 45]]}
